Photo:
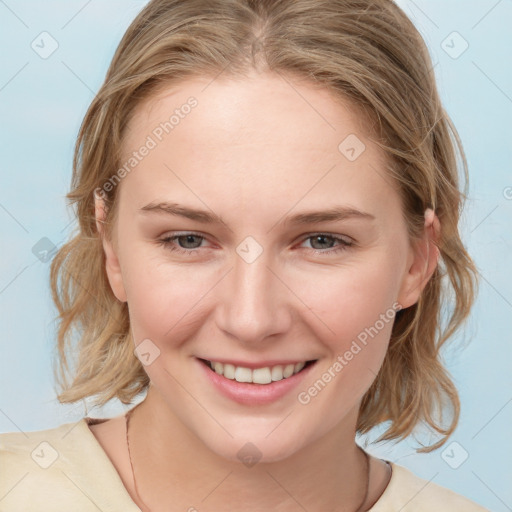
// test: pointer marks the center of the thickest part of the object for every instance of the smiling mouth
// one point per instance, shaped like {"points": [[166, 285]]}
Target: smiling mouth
{"points": [[264, 375]]}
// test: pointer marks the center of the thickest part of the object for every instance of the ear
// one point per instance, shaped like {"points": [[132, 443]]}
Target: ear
{"points": [[112, 266], [422, 262]]}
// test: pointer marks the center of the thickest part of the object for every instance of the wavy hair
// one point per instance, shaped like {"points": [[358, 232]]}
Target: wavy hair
{"points": [[365, 51]]}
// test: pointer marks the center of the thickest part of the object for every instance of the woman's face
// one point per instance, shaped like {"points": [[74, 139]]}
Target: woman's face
{"points": [[257, 229]]}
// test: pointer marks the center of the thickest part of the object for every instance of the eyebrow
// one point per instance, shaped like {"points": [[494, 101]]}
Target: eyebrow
{"points": [[336, 213]]}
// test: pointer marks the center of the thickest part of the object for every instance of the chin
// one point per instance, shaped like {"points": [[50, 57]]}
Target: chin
{"points": [[266, 440], [258, 451]]}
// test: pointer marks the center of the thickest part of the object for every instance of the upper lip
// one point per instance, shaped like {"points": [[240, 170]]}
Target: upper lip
{"points": [[259, 364]]}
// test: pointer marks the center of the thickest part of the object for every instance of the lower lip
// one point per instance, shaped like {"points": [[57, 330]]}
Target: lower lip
{"points": [[254, 394]]}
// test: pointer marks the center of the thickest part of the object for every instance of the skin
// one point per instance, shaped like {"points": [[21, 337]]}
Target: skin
{"points": [[255, 151]]}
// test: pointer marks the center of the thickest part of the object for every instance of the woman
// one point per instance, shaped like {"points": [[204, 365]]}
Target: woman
{"points": [[268, 202]]}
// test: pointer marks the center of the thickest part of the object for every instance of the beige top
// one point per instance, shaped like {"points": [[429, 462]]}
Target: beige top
{"points": [[65, 468]]}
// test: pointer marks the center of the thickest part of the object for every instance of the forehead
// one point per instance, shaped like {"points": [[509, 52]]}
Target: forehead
{"points": [[257, 138], [255, 108]]}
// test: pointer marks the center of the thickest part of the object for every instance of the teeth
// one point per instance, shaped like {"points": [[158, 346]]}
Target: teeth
{"points": [[242, 374], [261, 376], [219, 368], [277, 373], [288, 370], [264, 375], [229, 371]]}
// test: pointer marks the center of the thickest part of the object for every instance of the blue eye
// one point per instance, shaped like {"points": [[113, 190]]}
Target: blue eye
{"points": [[320, 238], [187, 239], [189, 242]]}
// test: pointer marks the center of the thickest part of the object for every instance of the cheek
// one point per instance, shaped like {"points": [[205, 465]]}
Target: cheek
{"points": [[164, 299], [168, 300], [350, 301], [359, 305]]}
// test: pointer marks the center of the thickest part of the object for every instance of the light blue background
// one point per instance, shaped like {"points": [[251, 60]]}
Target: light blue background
{"points": [[42, 102]]}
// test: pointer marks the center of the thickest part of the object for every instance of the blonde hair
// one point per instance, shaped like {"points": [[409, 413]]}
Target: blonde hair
{"points": [[366, 51]]}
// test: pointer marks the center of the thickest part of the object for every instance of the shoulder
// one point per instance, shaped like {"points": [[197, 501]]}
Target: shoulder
{"points": [[409, 493], [58, 468]]}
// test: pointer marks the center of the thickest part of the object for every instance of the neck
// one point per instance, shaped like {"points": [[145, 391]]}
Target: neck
{"points": [[178, 472]]}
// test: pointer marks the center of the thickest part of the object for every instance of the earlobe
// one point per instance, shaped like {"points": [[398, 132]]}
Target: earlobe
{"points": [[112, 266], [423, 262]]}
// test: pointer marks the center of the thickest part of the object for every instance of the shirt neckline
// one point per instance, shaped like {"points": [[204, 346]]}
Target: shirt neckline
{"points": [[86, 421], [93, 458]]}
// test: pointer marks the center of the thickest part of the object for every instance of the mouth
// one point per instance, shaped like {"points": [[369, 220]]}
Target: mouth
{"points": [[263, 375]]}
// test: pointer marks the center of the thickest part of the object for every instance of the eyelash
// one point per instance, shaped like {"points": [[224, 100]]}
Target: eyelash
{"points": [[167, 243]]}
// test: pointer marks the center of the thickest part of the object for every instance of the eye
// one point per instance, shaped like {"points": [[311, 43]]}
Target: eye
{"points": [[323, 243], [183, 243]]}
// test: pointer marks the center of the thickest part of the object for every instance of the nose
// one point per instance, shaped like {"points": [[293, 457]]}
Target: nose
{"points": [[254, 303]]}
